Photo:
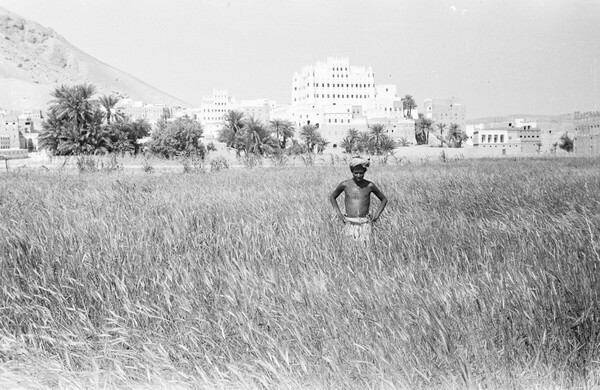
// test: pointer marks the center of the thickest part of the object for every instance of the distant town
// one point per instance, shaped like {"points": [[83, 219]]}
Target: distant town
{"points": [[335, 96]]}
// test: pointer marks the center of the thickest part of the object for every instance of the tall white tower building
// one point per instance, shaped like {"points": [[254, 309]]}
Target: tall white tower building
{"points": [[213, 110], [333, 82], [337, 96]]}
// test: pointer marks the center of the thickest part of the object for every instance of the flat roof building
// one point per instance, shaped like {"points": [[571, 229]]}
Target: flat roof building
{"points": [[587, 133]]}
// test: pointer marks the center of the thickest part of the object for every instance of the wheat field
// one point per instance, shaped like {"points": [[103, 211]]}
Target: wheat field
{"points": [[482, 274]]}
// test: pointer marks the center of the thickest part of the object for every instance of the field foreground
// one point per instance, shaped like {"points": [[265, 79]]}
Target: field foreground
{"points": [[483, 273]]}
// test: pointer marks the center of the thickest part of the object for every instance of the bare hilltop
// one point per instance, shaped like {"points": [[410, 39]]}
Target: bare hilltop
{"points": [[35, 59]]}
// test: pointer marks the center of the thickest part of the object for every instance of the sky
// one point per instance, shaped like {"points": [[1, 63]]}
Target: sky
{"points": [[499, 57]]}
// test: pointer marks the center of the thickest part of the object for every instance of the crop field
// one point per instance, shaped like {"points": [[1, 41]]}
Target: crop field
{"points": [[481, 274]]}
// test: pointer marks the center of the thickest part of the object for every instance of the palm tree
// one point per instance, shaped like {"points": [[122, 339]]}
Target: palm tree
{"points": [[352, 133], [283, 130], [348, 144], [456, 136], [387, 144], [311, 136], [74, 104], [420, 132], [321, 144], [377, 130], [108, 104], [258, 139], [233, 120], [408, 104], [441, 127], [233, 124], [427, 124], [364, 142], [74, 123]]}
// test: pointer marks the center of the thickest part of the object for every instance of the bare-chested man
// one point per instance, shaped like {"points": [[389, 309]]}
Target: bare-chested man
{"points": [[357, 192]]}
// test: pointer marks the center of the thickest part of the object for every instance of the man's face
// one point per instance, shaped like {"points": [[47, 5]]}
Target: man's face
{"points": [[358, 173]]}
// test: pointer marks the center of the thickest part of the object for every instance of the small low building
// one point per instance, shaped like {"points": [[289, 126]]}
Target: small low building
{"points": [[507, 140]]}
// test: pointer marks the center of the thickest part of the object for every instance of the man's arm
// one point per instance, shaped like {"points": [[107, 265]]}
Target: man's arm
{"points": [[383, 201], [333, 199]]}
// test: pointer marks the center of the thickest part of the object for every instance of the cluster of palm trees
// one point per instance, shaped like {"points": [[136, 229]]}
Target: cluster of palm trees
{"points": [[78, 123], [251, 136], [454, 137], [375, 141]]}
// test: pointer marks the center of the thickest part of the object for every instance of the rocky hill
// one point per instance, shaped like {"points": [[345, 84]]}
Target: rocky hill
{"points": [[34, 60]]}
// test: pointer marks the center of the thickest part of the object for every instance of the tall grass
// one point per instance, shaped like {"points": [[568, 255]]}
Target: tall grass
{"points": [[482, 273]]}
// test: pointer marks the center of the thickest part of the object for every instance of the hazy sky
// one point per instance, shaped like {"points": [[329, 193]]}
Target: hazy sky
{"points": [[498, 57]]}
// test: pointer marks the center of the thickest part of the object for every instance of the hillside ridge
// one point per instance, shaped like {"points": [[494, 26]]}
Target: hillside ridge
{"points": [[35, 59]]}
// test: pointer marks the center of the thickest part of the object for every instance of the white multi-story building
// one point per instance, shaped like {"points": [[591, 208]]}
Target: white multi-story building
{"points": [[448, 111], [336, 96], [333, 82], [213, 110], [10, 144]]}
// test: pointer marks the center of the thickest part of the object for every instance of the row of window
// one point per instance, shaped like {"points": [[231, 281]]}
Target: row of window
{"points": [[500, 137], [342, 96], [4, 142], [331, 85], [495, 138]]}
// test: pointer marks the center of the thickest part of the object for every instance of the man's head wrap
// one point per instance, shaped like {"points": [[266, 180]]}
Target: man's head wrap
{"points": [[359, 161]]}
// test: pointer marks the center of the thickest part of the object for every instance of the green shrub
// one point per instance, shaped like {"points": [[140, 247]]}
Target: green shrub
{"points": [[180, 138]]}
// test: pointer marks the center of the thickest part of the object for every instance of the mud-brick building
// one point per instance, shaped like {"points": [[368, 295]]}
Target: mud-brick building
{"points": [[507, 140], [587, 133], [9, 138]]}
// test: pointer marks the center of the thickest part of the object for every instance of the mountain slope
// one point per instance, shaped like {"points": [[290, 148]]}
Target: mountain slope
{"points": [[34, 60]]}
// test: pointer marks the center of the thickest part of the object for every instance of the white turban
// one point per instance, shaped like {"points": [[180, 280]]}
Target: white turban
{"points": [[357, 160]]}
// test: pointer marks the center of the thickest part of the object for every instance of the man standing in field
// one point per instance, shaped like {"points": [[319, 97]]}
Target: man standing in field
{"points": [[357, 198]]}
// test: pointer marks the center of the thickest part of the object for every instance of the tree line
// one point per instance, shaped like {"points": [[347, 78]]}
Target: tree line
{"points": [[79, 122], [248, 135]]}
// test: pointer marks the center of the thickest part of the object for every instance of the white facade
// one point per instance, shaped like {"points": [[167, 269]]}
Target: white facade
{"points": [[333, 82], [337, 96], [213, 110]]}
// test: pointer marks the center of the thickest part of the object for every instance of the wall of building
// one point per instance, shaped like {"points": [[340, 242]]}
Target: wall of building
{"points": [[446, 110], [9, 133], [337, 96], [587, 133], [333, 82], [506, 141], [213, 110], [259, 109]]}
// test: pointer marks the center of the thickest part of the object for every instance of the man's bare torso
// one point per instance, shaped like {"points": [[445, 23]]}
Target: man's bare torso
{"points": [[357, 198]]}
